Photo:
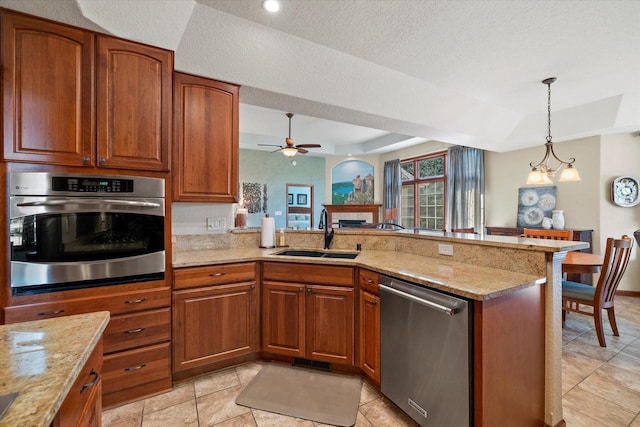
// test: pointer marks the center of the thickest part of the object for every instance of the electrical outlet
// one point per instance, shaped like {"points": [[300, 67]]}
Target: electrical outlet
{"points": [[216, 223], [211, 223], [277, 213], [445, 249]]}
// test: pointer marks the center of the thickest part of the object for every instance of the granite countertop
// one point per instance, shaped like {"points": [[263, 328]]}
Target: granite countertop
{"points": [[41, 360], [470, 281]]}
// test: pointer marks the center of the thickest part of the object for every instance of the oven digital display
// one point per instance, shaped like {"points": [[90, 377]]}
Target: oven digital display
{"points": [[92, 185]]}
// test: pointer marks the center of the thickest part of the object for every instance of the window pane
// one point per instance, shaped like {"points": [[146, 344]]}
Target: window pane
{"points": [[431, 206], [429, 168], [407, 203], [407, 171]]}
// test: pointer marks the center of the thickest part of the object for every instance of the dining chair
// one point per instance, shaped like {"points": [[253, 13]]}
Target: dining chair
{"points": [[600, 297], [463, 230], [537, 233]]}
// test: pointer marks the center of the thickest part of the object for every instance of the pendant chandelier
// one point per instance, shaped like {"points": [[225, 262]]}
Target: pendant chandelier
{"points": [[542, 173]]}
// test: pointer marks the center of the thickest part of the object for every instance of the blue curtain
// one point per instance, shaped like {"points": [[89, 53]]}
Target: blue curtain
{"points": [[392, 186], [465, 188]]}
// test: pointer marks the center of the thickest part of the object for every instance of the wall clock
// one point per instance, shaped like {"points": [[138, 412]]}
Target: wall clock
{"points": [[625, 191]]}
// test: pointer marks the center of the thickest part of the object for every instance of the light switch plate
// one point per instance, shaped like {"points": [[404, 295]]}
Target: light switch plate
{"points": [[445, 249]]}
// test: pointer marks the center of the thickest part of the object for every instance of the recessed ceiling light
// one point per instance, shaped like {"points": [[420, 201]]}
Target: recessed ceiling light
{"points": [[271, 5]]}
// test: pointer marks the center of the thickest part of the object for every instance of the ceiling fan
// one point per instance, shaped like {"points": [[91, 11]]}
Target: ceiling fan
{"points": [[289, 149]]}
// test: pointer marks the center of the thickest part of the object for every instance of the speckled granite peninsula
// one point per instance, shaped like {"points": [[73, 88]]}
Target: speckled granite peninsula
{"points": [[41, 360], [514, 283]]}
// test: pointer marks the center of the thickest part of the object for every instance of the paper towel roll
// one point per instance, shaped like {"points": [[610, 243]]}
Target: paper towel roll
{"points": [[268, 237]]}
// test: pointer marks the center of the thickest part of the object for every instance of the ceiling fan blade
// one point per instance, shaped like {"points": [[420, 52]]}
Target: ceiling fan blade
{"points": [[308, 146], [302, 150], [270, 145]]}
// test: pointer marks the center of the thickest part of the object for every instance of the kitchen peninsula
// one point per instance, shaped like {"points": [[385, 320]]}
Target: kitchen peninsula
{"points": [[513, 284], [54, 365]]}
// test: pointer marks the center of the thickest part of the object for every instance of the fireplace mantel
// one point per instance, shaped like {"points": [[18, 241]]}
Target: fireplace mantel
{"points": [[370, 213]]}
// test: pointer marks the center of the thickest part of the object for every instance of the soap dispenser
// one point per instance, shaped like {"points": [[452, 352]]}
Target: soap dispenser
{"points": [[282, 238]]}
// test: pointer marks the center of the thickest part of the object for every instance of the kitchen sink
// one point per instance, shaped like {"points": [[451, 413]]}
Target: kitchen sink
{"points": [[318, 254]]}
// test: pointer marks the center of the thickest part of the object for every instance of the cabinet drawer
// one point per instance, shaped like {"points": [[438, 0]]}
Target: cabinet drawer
{"points": [[213, 275], [309, 273], [118, 303], [135, 367], [127, 331], [369, 281]]}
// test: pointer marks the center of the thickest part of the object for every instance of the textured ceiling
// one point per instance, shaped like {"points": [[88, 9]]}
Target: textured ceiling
{"points": [[463, 72]]}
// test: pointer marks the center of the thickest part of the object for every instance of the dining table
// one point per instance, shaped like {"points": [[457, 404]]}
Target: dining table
{"points": [[582, 263]]}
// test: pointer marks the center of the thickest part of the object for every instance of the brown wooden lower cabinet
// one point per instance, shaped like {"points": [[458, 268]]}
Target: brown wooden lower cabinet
{"points": [[140, 320], [310, 321], [369, 335], [214, 323], [83, 405]]}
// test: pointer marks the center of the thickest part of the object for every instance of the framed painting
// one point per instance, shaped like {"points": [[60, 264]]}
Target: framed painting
{"points": [[534, 204], [290, 199], [302, 199]]}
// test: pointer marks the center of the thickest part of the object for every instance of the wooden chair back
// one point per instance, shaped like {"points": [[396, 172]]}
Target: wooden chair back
{"points": [[616, 258], [615, 263], [463, 230], [536, 233]]}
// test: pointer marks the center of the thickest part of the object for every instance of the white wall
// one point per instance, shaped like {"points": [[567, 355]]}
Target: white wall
{"points": [[620, 155]]}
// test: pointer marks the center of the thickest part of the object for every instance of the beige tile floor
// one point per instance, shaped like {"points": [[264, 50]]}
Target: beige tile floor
{"points": [[601, 387]]}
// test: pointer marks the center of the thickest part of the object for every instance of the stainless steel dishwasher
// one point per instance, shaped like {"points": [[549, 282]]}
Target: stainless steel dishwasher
{"points": [[426, 345]]}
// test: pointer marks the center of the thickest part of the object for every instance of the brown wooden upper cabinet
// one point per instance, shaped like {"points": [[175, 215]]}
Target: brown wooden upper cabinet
{"points": [[76, 98], [205, 144]]}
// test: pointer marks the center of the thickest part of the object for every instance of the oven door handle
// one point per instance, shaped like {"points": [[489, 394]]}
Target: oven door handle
{"points": [[92, 202]]}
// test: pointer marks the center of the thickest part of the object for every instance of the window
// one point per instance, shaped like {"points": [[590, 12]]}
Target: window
{"points": [[424, 191]]}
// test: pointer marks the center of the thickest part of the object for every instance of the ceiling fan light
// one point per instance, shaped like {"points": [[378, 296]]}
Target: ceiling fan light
{"points": [[289, 151], [569, 174]]}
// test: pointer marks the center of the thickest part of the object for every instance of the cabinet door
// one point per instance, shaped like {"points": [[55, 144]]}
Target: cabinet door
{"points": [[330, 324], [369, 335], [206, 140], [283, 318], [47, 91], [214, 323], [134, 105]]}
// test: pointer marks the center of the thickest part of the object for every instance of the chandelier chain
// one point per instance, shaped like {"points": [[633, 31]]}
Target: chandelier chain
{"points": [[549, 112]]}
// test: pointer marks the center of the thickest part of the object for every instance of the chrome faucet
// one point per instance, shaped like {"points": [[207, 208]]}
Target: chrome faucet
{"points": [[328, 236]]}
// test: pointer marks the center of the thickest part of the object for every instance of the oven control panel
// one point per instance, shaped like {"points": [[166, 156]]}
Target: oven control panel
{"points": [[91, 185]]}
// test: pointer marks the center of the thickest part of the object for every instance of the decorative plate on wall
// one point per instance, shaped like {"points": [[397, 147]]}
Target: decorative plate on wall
{"points": [[625, 191]]}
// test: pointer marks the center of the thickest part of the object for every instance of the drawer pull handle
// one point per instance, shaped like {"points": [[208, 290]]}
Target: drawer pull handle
{"points": [[216, 274], [135, 368], [135, 301], [50, 313], [96, 377], [367, 280], [134, 331]]}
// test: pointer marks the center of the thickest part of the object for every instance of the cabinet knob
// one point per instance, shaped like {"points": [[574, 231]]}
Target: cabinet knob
{"points": [[308, 290], [300, 289], [86, 160], [253, 287], [374, 302], [102, 161]]}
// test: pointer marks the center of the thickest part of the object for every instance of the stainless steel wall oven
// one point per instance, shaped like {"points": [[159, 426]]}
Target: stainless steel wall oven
{"points": [[71, 231]]}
